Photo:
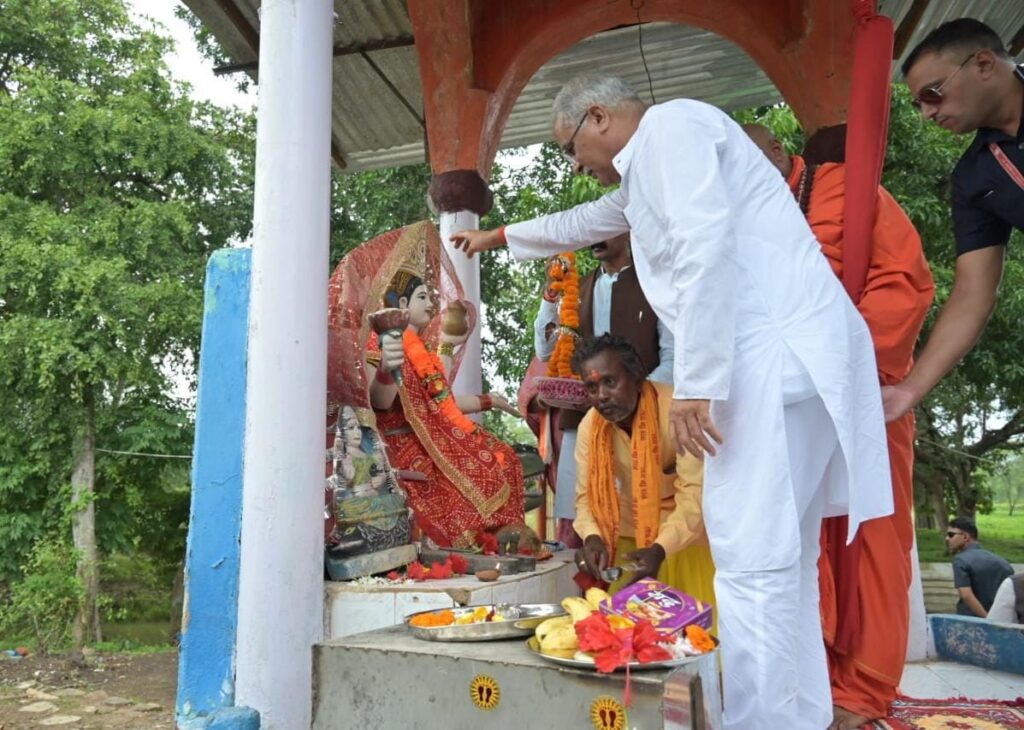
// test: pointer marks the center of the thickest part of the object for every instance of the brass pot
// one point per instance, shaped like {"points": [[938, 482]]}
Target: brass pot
{"points": [[455, 322]]}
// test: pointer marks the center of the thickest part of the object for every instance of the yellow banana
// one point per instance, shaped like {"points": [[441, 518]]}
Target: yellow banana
{"points": [[546, 627], [577, 607], [597, 598], [560, 641]]}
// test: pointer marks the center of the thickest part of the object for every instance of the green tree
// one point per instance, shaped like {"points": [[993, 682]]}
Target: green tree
{"points": [[1007, 483], [545, 185], [114, 189]]}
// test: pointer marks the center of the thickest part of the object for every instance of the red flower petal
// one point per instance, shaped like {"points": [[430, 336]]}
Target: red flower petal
{"points": [[459, 564], [439, 571], [417, 571], [488, 543], [647, 643], [595, 634], [612, 658], [393, 575]]}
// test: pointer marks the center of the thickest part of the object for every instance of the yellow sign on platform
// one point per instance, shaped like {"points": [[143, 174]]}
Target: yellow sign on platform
{"points": [[484, 692], [608, 713]]}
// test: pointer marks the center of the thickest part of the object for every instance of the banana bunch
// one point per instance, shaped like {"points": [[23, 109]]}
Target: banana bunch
{"points": [[557, 636]]}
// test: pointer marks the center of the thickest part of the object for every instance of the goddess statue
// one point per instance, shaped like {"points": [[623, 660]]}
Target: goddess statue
{"points": [[398, 379]]}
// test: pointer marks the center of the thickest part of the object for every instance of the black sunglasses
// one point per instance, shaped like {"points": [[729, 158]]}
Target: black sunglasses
{"points": [[954, 534], [933, 94]]}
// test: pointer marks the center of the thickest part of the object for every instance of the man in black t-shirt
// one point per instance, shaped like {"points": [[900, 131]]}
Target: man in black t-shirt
{"points": [[963, 79]]}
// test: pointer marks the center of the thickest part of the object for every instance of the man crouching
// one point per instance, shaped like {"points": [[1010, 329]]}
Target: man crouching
{"points": [[636, 498]]}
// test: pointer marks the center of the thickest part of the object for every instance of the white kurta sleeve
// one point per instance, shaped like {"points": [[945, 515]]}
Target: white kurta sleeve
{"points": [[542, 345], [569, 230], [680, 176], [666, 356]]}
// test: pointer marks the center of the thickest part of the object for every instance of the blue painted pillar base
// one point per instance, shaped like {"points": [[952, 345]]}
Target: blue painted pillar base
{"points": [[230, 718], [206, 671]]}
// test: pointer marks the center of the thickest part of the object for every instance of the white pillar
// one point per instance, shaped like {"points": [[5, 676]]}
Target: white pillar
{"points": [[280, 602], [917, 638], [468, 381]]}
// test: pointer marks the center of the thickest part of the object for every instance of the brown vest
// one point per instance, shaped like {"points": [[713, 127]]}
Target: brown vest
{"points": [[631, 317]]}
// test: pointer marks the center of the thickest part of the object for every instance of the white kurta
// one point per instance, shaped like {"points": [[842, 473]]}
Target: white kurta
{"points": [[728, 262]]}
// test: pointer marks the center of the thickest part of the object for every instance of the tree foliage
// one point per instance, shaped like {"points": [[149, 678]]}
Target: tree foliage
{"points": [[114, 189]]}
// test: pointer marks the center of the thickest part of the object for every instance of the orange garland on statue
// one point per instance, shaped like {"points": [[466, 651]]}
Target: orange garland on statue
{"points": [[428, 368], [565, 279]]}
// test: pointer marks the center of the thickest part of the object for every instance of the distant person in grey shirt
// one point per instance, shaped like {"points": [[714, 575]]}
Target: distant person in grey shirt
{"points": [[977, 572]]}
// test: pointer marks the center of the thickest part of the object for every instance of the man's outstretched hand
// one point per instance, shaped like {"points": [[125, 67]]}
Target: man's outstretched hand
{"points": [[473, 241]]}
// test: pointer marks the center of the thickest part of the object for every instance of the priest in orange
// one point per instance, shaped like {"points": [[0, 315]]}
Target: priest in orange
{"points": [[866, 660]]}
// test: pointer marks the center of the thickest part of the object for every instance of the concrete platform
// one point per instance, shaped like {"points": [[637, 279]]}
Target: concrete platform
{"points": [[390, 679], [941, 680], [350, 608]]}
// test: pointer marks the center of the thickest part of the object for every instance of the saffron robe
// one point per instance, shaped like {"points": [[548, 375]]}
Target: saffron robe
{"points": [[866, 674]]}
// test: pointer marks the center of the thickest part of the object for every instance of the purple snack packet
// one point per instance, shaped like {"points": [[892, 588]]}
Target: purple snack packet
{"points": [[669, 609]]}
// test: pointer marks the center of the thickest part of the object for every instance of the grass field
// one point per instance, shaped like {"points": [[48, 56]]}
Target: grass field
{"points": [[998, 531]]}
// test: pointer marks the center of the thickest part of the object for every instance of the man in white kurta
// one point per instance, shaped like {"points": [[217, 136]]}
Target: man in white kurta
{"points": [[770, 356]]}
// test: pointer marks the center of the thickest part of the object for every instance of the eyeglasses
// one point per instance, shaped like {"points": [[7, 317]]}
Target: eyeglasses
{"points": [[569, 148], [951, 534], [933, 94]]}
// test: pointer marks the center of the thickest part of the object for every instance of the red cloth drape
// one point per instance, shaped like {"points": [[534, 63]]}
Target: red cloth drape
{"points": [[867, 126]]}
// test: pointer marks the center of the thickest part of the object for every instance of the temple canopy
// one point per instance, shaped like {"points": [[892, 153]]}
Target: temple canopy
{"points": [[378, 109], [455, 80]]}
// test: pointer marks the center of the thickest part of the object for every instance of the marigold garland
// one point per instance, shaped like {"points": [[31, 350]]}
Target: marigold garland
{"points": [[565, 279], [429, 370]]}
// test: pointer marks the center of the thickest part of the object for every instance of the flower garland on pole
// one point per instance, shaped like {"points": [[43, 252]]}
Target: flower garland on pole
{"points": [[565, 279]]}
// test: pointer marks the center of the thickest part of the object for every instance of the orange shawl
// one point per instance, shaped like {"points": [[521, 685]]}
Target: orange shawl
{"points": [[645, 445]]}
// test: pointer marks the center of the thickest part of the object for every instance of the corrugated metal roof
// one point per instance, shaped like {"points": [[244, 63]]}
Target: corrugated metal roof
{"points": [[1006, 16], [373, 128]]}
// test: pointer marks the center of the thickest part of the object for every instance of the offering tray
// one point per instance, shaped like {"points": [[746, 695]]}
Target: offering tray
{"points": [[521, 619], [533, 646], [563, 393]]}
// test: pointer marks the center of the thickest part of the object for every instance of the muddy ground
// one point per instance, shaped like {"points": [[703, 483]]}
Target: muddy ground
{"points": [[121, 691]]}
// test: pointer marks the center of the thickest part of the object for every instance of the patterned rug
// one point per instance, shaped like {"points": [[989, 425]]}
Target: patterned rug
{"points": [[953, 714]]}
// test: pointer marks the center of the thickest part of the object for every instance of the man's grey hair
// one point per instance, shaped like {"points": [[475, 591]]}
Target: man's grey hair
{"points": [[583, 92]]}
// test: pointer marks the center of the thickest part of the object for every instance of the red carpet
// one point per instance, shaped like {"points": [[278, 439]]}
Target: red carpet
{"points": [[953, 714]]}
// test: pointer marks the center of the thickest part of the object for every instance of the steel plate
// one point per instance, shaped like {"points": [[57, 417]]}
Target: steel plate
{"points": [[532, 645], [523, 619]]}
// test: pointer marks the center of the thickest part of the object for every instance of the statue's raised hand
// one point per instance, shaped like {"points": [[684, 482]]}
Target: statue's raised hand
{"points": [[392, 355]]}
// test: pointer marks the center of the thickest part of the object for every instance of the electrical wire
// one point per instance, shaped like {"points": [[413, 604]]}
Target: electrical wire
{"points": [[636, 5], [146, 453]]}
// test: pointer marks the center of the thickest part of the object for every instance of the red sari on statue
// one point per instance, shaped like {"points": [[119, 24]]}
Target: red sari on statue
{"points": [[473, 481]]}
